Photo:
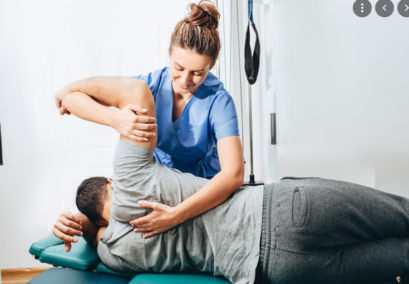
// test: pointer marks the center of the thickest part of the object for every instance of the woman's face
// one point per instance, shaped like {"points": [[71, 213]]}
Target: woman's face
{"points": [[188, 70]]}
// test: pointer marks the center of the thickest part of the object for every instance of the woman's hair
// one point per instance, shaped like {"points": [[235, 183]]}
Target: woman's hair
{"points": [[91, 196], [198, 31]]}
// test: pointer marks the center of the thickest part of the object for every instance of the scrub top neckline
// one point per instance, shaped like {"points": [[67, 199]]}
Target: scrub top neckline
{"points": [[179, 119]]}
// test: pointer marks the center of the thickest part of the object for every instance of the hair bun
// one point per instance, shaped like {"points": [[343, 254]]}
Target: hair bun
{"points": [[203, 14]]}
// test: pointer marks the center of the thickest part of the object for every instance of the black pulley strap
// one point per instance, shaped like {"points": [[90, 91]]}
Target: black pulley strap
{"points": [[251, 62]]}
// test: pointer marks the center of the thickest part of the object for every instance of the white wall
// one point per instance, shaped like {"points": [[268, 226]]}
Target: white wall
{"points": [[342, 93], [28, 183], [44, 46]]}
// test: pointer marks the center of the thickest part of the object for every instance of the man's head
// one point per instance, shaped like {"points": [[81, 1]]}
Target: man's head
{"points": [[94, 199]]}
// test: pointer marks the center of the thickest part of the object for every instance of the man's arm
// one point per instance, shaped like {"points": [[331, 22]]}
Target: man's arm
{"points": [[84, 107], [107, 90], [99, 235], [110, 91], [68, 225]]}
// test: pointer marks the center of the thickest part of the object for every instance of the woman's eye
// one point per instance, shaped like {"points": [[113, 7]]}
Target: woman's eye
{"points": [[198, 74], [179, 69]]}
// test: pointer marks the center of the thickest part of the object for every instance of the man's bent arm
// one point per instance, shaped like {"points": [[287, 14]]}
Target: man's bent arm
{"points": [[83, 106], [99, 235], [68, 225], [89, 229], [108, 90]]}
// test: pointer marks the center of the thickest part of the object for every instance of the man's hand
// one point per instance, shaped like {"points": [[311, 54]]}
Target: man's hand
{"points": [[59, 97], [161, 219], [66, 227], [133, 126]]}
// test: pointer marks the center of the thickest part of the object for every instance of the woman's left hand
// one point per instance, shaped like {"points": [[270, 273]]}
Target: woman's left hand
{"points": [[161, 219]]}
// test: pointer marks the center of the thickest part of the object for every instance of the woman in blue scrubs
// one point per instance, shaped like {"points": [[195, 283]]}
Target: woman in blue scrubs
{"points": [[190, 140], [196, 119]]}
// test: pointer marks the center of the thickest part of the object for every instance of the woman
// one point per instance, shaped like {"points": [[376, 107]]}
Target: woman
{"points": [[196, 119]]}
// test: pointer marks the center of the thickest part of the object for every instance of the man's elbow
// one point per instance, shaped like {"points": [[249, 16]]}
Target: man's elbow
{"points": [[139, 94], [139, 87], [69, 100]]}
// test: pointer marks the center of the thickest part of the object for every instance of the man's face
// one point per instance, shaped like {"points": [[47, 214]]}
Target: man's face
{"points": [[188, 70]]}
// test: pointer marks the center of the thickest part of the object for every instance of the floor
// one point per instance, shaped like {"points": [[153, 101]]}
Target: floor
{"points": [[21, 275]]}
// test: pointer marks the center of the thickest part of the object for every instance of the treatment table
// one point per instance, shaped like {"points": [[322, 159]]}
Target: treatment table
{"points": [[82, 266]]}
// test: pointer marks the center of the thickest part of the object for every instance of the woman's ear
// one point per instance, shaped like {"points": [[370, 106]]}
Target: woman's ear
{"points": [[213, 64]]}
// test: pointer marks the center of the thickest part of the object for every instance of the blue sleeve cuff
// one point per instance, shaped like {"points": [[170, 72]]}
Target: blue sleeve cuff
{"points": [[227, 134]]}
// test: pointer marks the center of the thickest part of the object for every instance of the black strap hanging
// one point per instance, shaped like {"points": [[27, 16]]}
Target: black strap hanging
{"points": [[251, 62], [251, 67]]}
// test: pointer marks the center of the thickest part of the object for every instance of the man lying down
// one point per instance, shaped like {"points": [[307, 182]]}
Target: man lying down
{"points": [[300, 230]]}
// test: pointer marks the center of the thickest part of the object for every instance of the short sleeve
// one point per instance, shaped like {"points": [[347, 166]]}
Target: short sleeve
{"points": [[223, 117], [152, 79], [134, 170]]}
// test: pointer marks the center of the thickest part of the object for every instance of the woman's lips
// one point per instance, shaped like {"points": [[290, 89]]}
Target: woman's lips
{"points": [[185, 86]]}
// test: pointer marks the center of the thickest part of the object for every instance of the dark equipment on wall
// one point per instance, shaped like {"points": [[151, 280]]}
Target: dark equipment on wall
{"points": [[251, 67]]}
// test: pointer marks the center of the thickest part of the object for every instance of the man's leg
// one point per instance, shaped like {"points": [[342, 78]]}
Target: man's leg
{"points": [[366, 262], [336, 226], [326, 213]]}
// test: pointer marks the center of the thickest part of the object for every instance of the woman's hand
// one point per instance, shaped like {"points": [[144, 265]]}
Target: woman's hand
{"points": [[161, 219], [133, 126]]}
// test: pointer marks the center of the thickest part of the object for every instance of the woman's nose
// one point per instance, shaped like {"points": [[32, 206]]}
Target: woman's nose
{"points": [[186, 78]]}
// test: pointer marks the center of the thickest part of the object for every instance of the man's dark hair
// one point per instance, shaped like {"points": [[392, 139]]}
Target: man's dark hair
{"points": [[91, 195]]}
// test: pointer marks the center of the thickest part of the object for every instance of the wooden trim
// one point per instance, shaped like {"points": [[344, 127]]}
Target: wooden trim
{"points": [[20, 275], [21, 271]]}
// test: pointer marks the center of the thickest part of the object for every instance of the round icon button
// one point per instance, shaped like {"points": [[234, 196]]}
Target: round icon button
{"points": [[384, 8], [403, 8], [362, 8]]}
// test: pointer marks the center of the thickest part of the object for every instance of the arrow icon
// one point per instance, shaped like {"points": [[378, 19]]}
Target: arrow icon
{"points": [[384, 7], [407, 7]]}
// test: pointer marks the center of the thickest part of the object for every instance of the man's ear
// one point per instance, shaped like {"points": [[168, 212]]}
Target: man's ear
{"points": [[109, 180], [101, 223]]}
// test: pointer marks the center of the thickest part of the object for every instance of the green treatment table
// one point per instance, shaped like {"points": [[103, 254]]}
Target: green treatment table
{"points": [[82, 266]]}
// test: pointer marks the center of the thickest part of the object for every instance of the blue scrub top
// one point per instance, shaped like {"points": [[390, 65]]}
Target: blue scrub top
{"points": [[190, 143]]}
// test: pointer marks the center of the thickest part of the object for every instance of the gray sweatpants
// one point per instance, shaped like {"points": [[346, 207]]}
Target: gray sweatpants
{"points": [[324, 231]]}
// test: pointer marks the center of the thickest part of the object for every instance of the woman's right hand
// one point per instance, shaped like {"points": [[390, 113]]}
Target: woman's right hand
{"points": [[133, 126]]}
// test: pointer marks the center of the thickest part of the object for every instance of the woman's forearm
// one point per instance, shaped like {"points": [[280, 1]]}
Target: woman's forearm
{"points": [[215, 192], [221, 186], [86, 108]]}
